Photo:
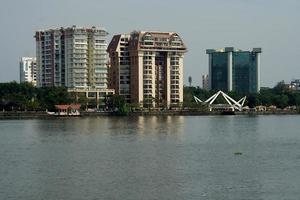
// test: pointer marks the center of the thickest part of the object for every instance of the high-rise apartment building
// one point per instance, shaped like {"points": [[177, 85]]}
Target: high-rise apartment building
{"points": [[147, 67], [232, 69], [119, 70], [72, 57], [28, 70]]}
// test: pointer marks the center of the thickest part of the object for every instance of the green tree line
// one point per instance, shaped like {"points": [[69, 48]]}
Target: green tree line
{"points": [[24, 96]]}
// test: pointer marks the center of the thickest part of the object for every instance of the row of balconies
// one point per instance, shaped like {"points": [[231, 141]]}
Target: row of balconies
{"points": [[124, 54], [100, 56], [175, 58], [77, 50], [78, 79], [76, 75], [175, 101], [124, 83], [147, 92], [174, 91], [170, 49], [148, 67], [147, 62], [80, 70], [78, 60], [174, 77], [147, 82], [101, 68], [125, 63], [147, 86], [77, 65], [175, 73], [100, 61], [79, 56], [98, 80], [146, 72], [100, 76], [148, 53], [174, 96], [149, 77], [147, 57]]}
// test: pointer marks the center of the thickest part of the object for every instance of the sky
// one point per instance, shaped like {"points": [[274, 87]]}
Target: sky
{"points": [[272, 25]]}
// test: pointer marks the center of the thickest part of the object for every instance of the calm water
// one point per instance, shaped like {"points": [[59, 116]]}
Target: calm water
{"points": [[151, 158]]}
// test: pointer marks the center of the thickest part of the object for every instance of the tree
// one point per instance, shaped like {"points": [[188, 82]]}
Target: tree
{"points": [[118, 105], [253, 100], [281, 101], [51, 96], [281, 87]]}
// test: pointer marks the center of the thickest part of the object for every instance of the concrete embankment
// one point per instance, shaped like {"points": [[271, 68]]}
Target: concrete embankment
{"points": [[23, 114], [44, 115]]}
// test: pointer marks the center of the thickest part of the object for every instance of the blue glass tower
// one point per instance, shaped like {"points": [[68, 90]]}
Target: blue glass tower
{"points": [[234, 70]]}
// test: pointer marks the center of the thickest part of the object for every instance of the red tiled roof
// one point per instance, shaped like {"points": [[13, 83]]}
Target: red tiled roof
{"points": [[66, 106]]}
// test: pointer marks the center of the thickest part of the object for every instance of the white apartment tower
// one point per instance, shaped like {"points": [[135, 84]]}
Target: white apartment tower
{"points": [[72, 57], [28, 70]]}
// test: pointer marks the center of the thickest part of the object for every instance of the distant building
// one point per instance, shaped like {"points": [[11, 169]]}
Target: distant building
{"points": [[28, 70], [72, 57], [205, 82], [232, 69], [295, 84], [147, 67], [190, 81]]}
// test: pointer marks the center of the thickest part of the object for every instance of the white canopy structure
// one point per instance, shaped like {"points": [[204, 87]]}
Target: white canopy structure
{"points": [[232, 104]]}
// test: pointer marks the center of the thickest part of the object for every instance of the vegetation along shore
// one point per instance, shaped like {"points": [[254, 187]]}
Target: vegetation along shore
{"points": [[25, 101]]}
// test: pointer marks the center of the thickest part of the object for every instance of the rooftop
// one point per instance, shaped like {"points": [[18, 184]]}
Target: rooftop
{"points": [[231, 49]]}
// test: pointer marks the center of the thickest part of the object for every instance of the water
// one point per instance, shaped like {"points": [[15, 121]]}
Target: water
{"points": [[192, 157]]}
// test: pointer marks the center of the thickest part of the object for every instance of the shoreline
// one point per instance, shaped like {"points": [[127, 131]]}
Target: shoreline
{"points": [[43, 115]]}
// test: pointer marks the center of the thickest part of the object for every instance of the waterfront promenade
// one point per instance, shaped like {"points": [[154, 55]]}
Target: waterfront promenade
{"points": [[43, 114]]}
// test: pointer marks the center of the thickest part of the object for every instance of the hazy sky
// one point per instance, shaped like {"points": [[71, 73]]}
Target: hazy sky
{"points": [[273, 25]]}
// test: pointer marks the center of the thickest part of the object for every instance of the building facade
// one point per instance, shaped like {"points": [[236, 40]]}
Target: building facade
{"points": [[232, 69], [205, 82], [28, 70], [72, 57], [119, 70], [147, 68]]}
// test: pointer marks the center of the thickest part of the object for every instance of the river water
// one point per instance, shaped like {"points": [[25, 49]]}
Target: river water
{"points": [[167, 157]]}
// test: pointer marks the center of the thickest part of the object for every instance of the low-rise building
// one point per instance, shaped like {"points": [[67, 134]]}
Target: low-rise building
{"points": [[97, 96]]}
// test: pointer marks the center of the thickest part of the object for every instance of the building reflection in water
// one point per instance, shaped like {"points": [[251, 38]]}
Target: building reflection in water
{"points": [[169, 125]]}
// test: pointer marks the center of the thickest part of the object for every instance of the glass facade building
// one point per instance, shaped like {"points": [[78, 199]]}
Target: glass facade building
{"points": [[234, 70]]}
